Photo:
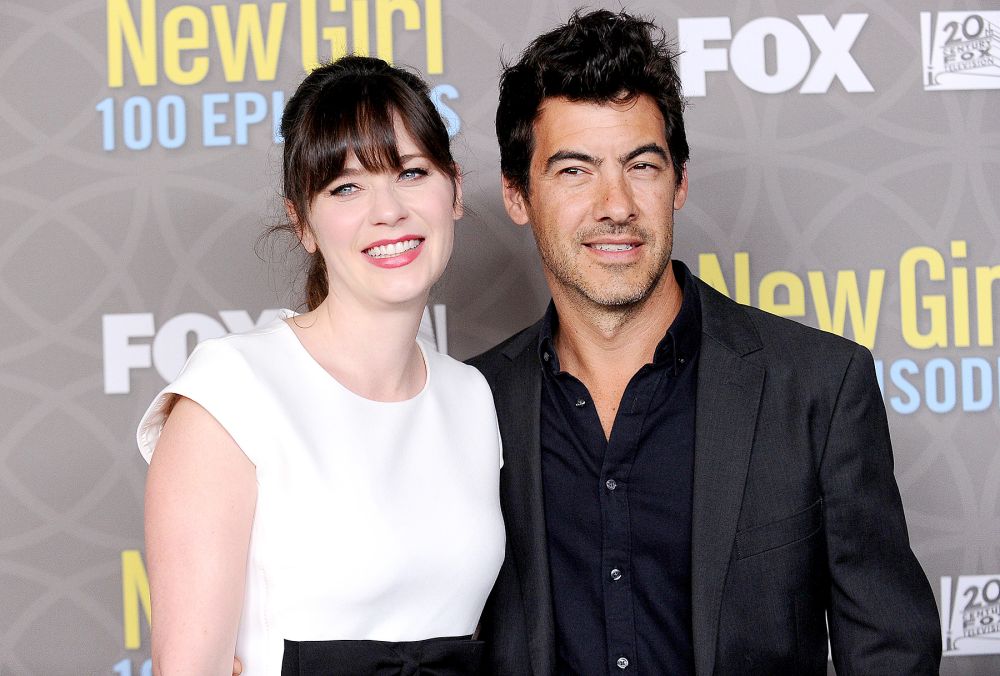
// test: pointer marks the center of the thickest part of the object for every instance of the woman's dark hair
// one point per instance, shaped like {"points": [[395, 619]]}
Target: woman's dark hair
{"points": [[599, 57], [346, 107]]}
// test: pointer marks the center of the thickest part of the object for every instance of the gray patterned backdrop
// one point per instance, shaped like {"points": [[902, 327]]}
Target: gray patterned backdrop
{"points": [[844, 170]]}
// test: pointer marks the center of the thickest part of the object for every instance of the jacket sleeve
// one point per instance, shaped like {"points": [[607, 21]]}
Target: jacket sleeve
{"points": [[882, 615]]}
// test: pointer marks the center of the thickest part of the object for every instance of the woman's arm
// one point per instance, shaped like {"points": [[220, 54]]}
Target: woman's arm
{"points": [[200, 496]]}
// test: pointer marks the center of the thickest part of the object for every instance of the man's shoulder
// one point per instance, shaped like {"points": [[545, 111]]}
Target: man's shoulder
{"points": [[783, 330], [499, 357], [779, 338]]}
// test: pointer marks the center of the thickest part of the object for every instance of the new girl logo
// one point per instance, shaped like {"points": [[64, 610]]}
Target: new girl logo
{"points": [[161, 54], [182, 43]]}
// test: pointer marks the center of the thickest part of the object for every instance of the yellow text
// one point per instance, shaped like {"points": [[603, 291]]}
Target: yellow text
{"points": [[177, 45], [414, 17], [184, 37], [135, 595], [926, 282], [784, 293]]}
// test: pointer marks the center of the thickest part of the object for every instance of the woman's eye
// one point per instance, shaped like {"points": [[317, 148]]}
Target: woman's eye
{"points": [[412, 173], [344, 190]]}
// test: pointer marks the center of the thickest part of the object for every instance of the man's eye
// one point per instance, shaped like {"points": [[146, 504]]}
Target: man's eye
{"points": [[645, 169], [412, 173], [572, 171]]}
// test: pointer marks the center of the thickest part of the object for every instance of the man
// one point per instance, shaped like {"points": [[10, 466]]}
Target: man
{"points": [[690, 486]]}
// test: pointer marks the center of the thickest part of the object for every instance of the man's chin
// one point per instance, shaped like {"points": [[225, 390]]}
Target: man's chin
{"points": [[616, 299], [597, 288], [623, 291]]}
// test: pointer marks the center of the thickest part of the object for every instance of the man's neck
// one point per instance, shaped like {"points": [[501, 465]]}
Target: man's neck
{"points": [[605, 346], [599, 339]]}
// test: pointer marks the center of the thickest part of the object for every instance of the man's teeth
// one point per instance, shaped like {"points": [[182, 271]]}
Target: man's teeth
{"points": [[612, 247], [386, 250]]}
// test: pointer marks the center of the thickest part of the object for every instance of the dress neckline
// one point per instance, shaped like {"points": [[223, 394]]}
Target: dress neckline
{"points": [[323, 373]]}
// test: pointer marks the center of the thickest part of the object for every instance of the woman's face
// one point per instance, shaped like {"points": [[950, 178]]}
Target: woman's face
{"points": [[386, 237]]}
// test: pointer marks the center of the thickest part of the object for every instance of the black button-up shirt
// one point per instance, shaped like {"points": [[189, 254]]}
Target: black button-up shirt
{"points": [[618, 510]]}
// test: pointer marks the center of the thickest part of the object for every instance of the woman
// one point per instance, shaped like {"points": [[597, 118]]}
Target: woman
{"points": [[324, 490]]}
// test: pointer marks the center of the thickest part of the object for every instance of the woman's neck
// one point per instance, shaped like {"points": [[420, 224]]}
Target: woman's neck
{"points": [[370, 351]]}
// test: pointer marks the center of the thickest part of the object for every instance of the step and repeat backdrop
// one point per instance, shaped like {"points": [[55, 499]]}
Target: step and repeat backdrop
{"points": [[845, 172]]}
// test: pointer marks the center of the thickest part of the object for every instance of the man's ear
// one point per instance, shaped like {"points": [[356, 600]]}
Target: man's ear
{"points": [[681, 191], [303, 231], [515, 202]]}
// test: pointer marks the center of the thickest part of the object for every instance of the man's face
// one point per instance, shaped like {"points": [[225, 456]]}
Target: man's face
{"points": [[601, 197]]}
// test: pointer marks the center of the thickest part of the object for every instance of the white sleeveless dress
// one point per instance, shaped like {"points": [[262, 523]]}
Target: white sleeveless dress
{"points": [[374, 520]]}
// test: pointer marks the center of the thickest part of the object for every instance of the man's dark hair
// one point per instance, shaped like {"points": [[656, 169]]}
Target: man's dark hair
{"points": [[597, 57]]}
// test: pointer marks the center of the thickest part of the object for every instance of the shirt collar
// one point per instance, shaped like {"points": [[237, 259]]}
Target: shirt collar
{"points": [[676, 349], [547, 356]]}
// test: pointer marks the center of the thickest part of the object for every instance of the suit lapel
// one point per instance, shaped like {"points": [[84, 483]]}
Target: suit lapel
{"points": [[729, 389], [519, 397]]}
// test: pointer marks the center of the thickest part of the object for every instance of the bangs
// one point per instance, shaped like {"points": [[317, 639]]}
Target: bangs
{"points": [[353, 117], [348, 108]]}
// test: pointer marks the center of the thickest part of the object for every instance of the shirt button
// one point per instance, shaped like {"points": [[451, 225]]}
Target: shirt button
{"points": [[580, 403], [616, 575], [622, 663], [681, 360], [611, 484]]}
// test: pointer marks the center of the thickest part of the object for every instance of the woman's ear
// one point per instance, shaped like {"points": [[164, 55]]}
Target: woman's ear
{"points": [[302, 230], [459, 208]]}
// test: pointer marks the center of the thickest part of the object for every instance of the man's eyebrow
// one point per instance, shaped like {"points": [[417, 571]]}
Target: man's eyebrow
{"points": [[654, 148], [571, 155]]}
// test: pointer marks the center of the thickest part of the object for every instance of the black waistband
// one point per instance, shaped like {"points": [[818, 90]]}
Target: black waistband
{"points": [[447, 656]]}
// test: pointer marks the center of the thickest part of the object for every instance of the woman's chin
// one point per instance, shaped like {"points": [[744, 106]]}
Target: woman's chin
{"points": [[403, 296]]}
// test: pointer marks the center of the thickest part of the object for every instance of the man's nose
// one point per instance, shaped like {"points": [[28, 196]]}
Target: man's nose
{"points": [[616, 201]]}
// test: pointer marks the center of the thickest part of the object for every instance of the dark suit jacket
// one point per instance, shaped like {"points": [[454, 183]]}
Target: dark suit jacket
{"points": [[796, 513]]}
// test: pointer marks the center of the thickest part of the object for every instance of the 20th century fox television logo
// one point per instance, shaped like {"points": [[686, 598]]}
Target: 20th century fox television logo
{"points": [[961, 50], [970, 614]]}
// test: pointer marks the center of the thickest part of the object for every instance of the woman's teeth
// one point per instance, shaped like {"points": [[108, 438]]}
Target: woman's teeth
{"points": [[386, 250]]}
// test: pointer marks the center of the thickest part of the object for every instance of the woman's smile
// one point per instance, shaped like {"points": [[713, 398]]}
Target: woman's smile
{"points": [[395, 253]]}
